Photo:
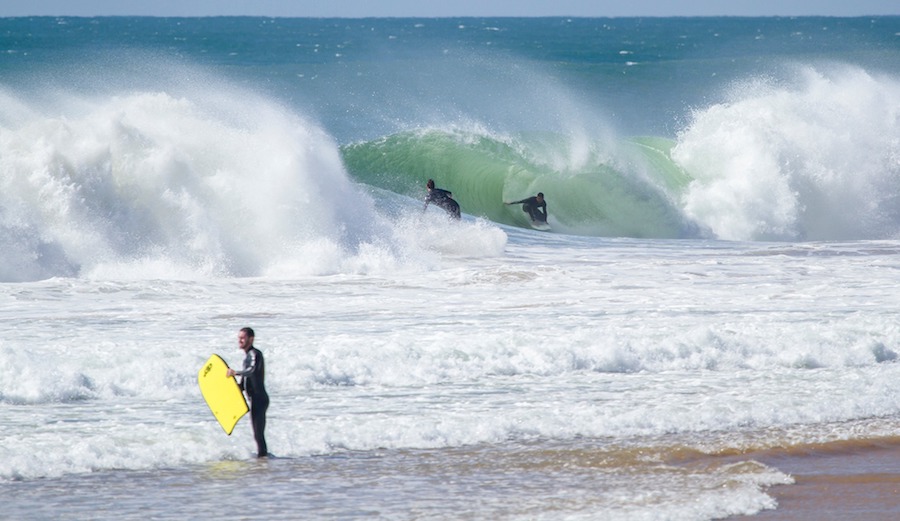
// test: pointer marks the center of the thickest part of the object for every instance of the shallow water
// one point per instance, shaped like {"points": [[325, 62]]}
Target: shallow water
{"points": [[561, 375]]}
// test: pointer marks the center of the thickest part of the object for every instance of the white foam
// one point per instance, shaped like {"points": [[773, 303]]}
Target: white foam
{"points": [[813, 159], [216, 184]]}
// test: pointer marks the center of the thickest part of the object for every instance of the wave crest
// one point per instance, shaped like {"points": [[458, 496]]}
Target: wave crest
{"points": [[817, 159], [205, 184]]}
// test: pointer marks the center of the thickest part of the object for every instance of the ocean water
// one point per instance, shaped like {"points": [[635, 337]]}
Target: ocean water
{"points": [[719, 282]]}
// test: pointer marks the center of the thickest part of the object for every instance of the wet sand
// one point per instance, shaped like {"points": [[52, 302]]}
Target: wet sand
{"points": [[833, 482]]}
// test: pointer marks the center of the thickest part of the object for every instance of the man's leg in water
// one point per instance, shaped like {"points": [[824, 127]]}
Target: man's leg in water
{"points": [[258, 420]]}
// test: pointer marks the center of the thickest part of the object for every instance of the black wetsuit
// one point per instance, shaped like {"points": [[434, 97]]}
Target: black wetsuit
{"points": [[443, 199], [532, 207], [253, 382]]}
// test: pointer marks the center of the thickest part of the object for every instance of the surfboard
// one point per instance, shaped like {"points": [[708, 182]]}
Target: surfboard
{"points": [[222, 393], [540, 225]]}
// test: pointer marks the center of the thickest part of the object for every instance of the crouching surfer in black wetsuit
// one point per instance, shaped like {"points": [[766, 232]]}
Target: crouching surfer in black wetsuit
{"points": [[532, 206], [441, 198], [253, 377]]}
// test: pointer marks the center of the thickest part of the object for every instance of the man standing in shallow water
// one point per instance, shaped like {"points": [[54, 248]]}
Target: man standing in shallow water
{"points": [[253, 376]]}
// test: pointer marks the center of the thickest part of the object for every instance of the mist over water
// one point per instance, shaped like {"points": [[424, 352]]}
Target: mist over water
{"points": [[816, 157]]}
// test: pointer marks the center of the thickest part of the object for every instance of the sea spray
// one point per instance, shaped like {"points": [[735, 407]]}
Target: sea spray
{"points": [[212, 187], [816, 158]]}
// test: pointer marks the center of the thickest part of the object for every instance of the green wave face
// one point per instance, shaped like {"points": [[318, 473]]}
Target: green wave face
{"points": [[629, 189]]}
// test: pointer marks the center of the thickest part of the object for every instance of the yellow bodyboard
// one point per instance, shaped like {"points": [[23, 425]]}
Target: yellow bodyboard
{"points": [[222, 393]]}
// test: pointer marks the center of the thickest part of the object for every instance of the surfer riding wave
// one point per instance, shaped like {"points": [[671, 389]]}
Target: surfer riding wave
{"points": [[533, 206], [442, 199]]}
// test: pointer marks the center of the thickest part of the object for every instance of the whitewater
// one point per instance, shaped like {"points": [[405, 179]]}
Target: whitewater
{"points": [[718, 286]]}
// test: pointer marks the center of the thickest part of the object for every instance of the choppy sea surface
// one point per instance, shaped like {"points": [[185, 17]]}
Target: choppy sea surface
{"points": [[720, 278]]}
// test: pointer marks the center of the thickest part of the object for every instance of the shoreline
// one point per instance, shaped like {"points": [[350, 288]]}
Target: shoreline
{"points": [[838, 481]]}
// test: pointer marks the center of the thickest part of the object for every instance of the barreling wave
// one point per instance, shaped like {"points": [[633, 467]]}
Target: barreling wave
{"points": [[630, 189], [812, 157]]}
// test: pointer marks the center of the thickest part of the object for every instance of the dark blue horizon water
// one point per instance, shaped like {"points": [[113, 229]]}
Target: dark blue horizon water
{"points": [[643, 74]]}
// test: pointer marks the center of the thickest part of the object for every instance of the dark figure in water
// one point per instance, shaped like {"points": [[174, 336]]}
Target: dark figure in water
{"points": [[533, 206], [441, 198], [253, 382]]}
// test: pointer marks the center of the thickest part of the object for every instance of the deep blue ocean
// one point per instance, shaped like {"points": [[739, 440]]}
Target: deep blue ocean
{"points": [[715, 302]]}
